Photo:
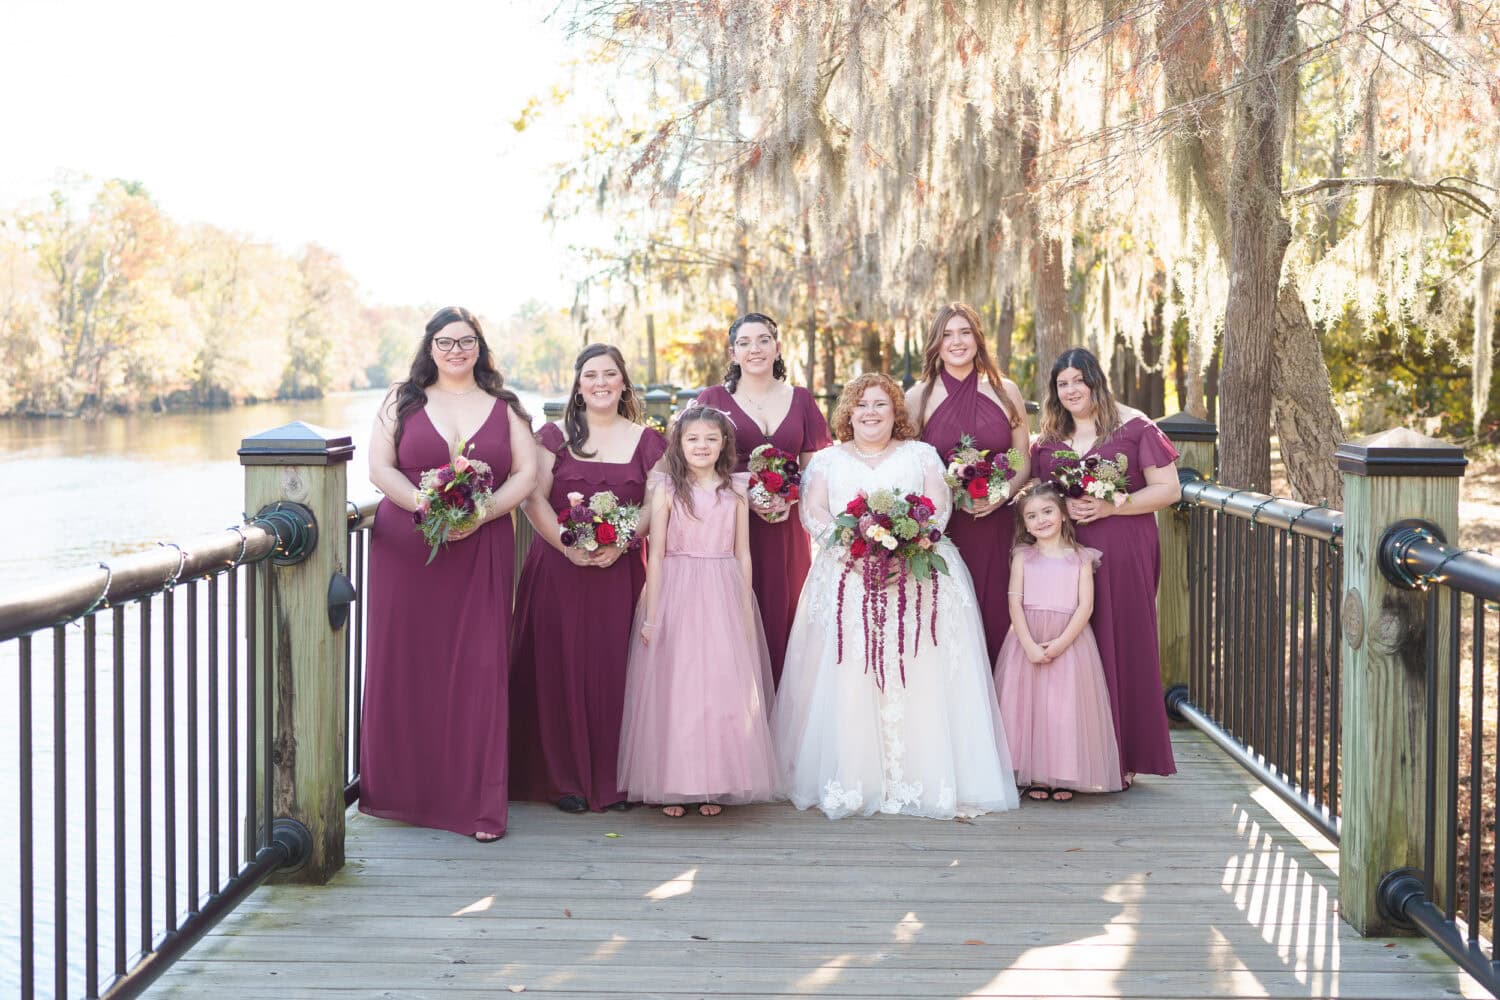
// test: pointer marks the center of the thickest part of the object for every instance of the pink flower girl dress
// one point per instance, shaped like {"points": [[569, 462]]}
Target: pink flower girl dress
{"points": [[1057, 715], [697, 699]]}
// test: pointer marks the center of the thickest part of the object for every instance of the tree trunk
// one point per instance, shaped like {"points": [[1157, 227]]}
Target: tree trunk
{"points": [[650, 349], [1305, 418], [1259, 235], [1005, 331], [812, 300], [1049, 284]]}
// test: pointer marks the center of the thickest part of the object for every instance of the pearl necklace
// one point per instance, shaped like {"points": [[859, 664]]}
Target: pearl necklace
{"points": [[871, 454]]}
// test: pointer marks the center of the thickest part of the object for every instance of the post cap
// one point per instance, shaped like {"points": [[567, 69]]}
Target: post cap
{"points": [[1400, 452], [552, 409], [687, 395], [1186, 427], [657, 395], [296, 443]]}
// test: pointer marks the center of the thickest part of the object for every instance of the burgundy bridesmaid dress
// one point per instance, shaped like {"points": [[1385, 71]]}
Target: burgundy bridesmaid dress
{"points": [[433, 746], [1124, 617], [780, 554], [984, 542], [571, 642]]}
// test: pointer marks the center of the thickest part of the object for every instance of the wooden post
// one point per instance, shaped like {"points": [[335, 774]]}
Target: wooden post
{"points": [[1197, 442], [1390, 476], [306, 465]]}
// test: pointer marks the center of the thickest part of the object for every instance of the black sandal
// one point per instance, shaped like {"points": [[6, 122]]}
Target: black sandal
{"points": [[573, 804]]}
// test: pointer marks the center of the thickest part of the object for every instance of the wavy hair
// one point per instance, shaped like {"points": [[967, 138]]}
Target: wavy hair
{"points": [[1043, 491], [842, 423], [932, 361], [676, 459], [1057, 422], [411, 393], [575, 423], [778, 369]]}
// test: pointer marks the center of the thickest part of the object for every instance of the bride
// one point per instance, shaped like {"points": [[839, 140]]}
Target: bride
{"points": [[931, 744]]}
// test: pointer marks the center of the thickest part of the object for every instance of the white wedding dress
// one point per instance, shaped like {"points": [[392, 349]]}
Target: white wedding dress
{"points": [[933, 747]]}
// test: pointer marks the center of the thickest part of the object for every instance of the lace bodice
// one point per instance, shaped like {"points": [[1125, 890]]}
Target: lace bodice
{"points": [[835, 476]]}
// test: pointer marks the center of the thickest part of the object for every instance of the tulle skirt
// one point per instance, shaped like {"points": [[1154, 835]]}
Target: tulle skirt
{"points": [[1057, 715], [933, 746], [698, 698]]}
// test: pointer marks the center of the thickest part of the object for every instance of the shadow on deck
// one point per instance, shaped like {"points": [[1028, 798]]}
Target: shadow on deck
{"points": [[1202, 885]]}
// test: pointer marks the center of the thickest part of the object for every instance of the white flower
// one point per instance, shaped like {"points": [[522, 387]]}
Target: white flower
{"points": [[889, 541]]}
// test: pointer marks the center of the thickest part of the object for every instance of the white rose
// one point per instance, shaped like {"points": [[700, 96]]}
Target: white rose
{"points": [[574, 499]]}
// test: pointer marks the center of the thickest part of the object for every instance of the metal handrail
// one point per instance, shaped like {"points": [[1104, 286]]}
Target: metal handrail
{"points": [[1300, 518], [131, 577]]}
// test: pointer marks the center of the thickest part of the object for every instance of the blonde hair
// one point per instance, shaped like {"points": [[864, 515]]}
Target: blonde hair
{"points": [[842, 423]]}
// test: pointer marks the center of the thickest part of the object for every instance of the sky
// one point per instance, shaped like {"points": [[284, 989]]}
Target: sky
{"points": [[379, 130]]}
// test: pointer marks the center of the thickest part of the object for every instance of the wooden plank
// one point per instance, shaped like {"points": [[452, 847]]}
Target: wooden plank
{"points": [[1193, 889]]}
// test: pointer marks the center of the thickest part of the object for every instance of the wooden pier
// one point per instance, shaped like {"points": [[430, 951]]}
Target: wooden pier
{"points": [[1199, 885]]}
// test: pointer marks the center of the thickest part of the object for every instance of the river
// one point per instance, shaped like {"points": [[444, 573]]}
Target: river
{"points": [[80, 491]]}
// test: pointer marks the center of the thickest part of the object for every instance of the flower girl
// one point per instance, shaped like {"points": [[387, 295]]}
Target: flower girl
{"points": [[698, 683], [1048, 676]]}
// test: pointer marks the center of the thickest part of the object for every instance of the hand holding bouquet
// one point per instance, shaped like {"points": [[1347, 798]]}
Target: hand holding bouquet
{"points": [[1099, 478], [602, 521], [453, 500], [889, 533], [775, 482], [975, 476]]}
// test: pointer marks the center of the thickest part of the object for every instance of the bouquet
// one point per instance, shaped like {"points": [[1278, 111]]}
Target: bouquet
{"points": [[1100, 478], [604, 520], [973, 475], [775, 479], [887, 530], [453, 498]]}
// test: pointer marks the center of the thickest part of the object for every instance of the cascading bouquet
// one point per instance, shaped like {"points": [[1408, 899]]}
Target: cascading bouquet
{"points": [[604, 520], [452, 498], [972, 474], [775, 479], [886, 531], [1100, 478]]}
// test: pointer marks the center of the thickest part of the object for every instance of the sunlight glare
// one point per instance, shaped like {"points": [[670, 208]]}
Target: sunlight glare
{"points": [[679, 886], [478, 906]]}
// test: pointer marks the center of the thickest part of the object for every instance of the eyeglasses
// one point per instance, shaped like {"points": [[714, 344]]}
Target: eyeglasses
{"points": [[447, 344]]}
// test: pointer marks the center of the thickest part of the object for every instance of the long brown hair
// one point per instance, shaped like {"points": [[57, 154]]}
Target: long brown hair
{"points": [[575, 423], [411, 394], [1057, 422], [842, 423], [1044, 491], [932, 361], [677, 466]]}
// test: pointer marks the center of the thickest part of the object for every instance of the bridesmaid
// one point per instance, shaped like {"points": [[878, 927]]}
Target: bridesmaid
{"points": [[1081, 415], [434, 749], [951, 401], [573, 608], [765, 410]]}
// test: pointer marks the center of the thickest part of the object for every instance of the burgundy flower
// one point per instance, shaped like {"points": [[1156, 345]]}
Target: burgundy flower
{"points": [[858, 548], [418, 516], [564, 515], [858, 507], [445, 475], [934, 534], [568, 538]]}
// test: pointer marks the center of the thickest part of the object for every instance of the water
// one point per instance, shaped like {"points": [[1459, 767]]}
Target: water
{"points": [[77, 492]]}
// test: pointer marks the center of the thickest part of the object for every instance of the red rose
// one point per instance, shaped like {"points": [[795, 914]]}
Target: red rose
{"points": [[563, 515], [604, 534], [984, 468], [771, 481], [1087, 479], [979, 488], [857, 507], [791, 492], [858, 548]]}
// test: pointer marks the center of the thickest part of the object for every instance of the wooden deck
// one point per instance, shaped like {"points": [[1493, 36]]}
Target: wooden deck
{"points": [[1202, 885]]}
